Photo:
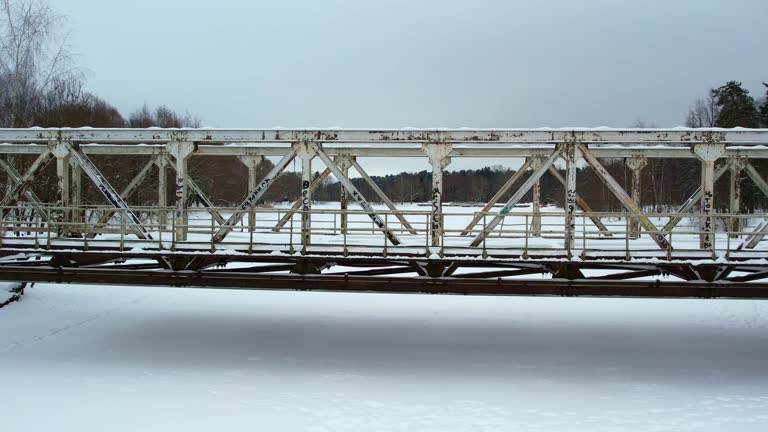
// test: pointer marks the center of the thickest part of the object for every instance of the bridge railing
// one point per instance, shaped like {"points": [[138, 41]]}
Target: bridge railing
{"points": [[520, 233]]}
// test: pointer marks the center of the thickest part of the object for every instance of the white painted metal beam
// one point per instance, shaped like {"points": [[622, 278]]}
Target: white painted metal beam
{"points": [[677, 136]]}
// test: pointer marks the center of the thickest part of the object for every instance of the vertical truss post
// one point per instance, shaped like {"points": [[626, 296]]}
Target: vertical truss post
{"points": [[734, 224], [344, 163], [377, 190], [570, 195], [162, 191], [181, 150], [635, 165], [63, 193], [78, 214], [194, 191], [306, 151], [297, 204], [512, 180], [126, 215], [516, 197], [251, 162], [583, 205], [708, 154], [691, 201], [536, 201], [438, 157]]}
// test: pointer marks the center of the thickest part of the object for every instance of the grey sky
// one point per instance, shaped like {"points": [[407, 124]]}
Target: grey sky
{"points": [[430, 63]]}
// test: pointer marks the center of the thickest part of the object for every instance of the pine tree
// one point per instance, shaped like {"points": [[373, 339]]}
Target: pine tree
{"points": [[737, 107]]}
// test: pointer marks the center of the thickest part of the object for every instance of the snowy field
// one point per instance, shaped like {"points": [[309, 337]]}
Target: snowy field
{"points": [[96, 358]]}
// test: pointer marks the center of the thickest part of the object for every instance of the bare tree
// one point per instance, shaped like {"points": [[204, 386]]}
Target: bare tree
{"points": [[34, 59], [703, 113]]}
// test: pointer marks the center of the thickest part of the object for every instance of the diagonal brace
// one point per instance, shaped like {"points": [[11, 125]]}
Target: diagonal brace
{"points": [[31, 195], [313, 187], [130, 218], [377, 190], [518, 195], [127, 192], [253, 196], [759, 232], [12, 197], [623, 197], [583, 205], [364, 204], [692, 201], [195, 188], [512, 180]]}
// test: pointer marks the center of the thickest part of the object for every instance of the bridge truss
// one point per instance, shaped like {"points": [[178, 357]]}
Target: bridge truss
{"points": [[502, 248]]}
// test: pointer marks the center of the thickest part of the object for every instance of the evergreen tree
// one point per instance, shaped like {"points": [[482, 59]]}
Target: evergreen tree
{"points": [[737, 107]]}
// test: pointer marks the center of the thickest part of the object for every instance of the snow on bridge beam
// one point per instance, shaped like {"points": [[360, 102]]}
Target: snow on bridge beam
{"points": [[469, 150], [675, 136]]}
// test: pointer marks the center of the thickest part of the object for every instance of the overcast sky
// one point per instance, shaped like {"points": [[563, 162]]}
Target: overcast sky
{"points": [[430, 63]]}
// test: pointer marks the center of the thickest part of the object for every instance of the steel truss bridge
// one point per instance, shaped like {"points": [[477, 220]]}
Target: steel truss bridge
{"points": [[503, 248]]}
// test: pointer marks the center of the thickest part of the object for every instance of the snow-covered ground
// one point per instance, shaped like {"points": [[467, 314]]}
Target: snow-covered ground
{"points": [[95, 358]]}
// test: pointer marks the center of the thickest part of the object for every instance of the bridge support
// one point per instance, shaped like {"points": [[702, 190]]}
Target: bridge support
{"points": [[692, 200], [63, 193], [297, 204], [734, 224], [582, 204], [635, 165], [78, 215], [162, 191], [344, 163], [252, 163], [708, 154], [536, 200], [306, 151], [570, 196], [181, 151], [438, 158]]}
